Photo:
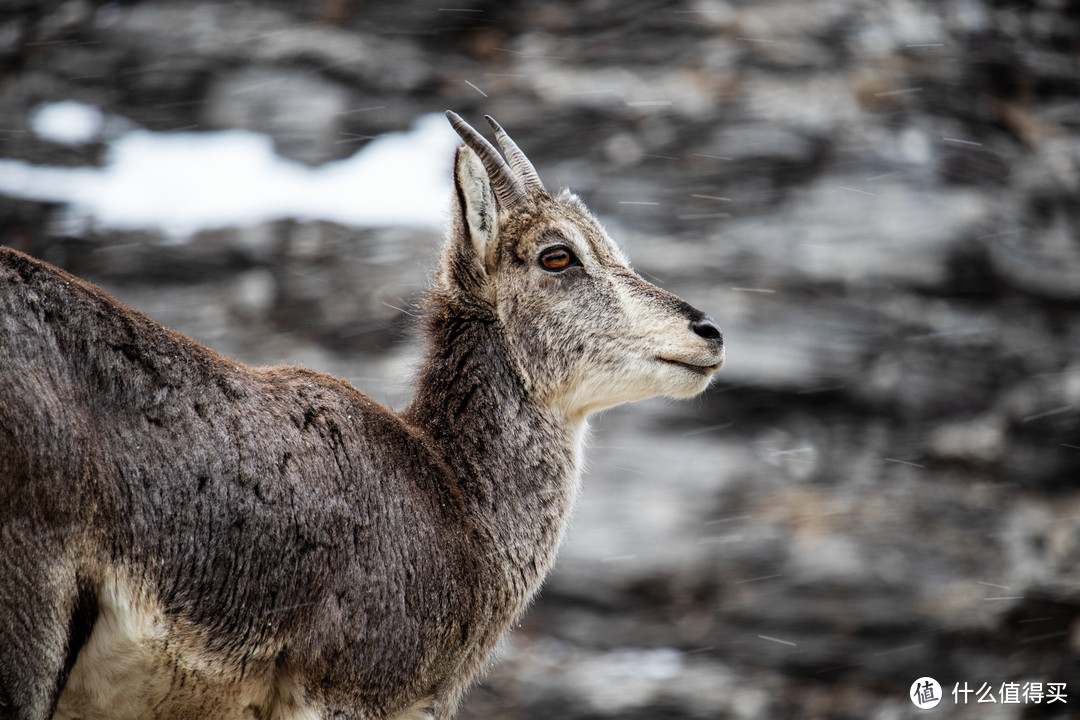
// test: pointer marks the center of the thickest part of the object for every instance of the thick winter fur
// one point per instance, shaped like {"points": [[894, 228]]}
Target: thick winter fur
{"points": [[184, 536]]}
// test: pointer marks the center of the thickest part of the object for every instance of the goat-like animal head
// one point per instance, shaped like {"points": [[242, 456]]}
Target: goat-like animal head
{"points": [[583, 330]]}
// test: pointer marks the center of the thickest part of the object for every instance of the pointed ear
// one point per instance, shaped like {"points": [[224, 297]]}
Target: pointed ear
{"points": [[475, 202]]}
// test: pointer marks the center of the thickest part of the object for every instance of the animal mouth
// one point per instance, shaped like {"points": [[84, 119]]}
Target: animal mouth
{"points": [[703, 368]]}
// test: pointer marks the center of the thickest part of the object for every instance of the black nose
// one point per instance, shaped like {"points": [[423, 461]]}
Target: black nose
{"points": [[707, 328]]}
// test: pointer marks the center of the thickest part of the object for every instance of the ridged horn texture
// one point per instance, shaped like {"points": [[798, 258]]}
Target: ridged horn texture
{"points": [[508, 189], [520, 164]]}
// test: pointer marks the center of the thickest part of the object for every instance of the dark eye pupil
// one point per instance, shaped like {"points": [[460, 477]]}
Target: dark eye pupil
{"points": [[556, 259]]}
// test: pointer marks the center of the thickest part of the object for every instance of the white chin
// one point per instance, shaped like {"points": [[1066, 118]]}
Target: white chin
{"points": [[689, 383]]}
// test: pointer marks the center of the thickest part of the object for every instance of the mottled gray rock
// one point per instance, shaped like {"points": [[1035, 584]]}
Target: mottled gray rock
{"points": [[299, 110], [249, 32]]}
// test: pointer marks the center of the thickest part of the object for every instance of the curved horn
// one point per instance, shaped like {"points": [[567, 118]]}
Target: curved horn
{"points": [[520, 164], [507, 187]]}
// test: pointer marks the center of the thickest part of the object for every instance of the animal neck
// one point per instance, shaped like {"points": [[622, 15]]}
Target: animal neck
{"points": [[515, 463]]}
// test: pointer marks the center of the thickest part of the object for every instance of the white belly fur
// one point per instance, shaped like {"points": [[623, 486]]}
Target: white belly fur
{"points": [[138, 664]]}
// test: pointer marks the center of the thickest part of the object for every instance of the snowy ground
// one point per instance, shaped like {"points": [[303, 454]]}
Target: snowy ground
{"points": [[178, 183]]}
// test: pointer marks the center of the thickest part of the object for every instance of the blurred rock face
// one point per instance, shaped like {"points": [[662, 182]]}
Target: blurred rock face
{"points": [[878, 202]]}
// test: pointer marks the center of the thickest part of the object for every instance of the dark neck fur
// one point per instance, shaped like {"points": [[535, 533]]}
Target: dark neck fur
{"points": [[516, 464]]}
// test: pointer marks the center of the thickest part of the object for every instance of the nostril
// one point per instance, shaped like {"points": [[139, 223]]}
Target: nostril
{"points": [[707, 328]]}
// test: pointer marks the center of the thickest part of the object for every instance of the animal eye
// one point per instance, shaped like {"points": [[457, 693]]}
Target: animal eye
{"points": [[557, 258]]}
